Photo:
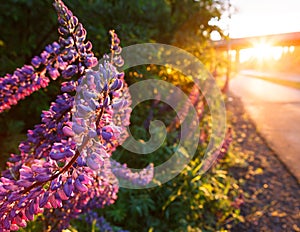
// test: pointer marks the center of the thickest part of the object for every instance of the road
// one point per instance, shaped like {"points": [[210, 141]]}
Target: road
{"points": [[277, 75], [275, 110]]}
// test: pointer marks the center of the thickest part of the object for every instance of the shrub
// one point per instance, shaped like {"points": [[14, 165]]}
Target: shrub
{"points": [[64, 167]]}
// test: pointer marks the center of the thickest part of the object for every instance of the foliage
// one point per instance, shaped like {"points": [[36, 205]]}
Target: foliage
{"points": [[188, 202], [180, 205], [64, 166], [28, 26]]}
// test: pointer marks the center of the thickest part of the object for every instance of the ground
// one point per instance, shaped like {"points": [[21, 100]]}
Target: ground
{"points": [[271, 194]]}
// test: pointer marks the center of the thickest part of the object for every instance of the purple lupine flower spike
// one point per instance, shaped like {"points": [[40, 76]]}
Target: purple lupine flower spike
{"points": [[56, 60], [64, 166]]}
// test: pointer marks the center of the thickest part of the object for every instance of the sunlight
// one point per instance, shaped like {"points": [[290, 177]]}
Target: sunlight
{"points": [[264, 51]]}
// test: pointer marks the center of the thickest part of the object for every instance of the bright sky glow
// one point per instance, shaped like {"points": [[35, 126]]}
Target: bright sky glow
{"points": [[262, 17], [264, 52]]}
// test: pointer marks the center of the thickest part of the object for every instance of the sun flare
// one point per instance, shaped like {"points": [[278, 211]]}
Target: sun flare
{"points": [[264, 51]]}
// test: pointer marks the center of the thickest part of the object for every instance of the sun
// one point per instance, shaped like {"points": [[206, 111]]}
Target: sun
{"points": [[262, 50]]}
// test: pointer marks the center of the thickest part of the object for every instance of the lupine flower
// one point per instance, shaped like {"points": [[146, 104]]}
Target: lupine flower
{"points": [[141, 178], [56, 60], [64, 167], [100, 222], [218, 153]]}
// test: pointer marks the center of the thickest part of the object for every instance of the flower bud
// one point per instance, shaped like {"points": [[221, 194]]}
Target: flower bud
{"points": [[57, 155], [92, 133], [77, 128], [44, 199], [92, 164], [53, 72], [114, 85], [118, 104], [42, 177], [80, 186], [68, 187], [68, 131], [36, 61], [106, 135]]}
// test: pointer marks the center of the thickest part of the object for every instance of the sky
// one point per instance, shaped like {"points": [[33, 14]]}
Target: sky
{"points": [[263, 17]]}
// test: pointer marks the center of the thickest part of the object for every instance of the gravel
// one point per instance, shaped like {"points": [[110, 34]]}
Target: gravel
{"points": [[271, 194]]}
